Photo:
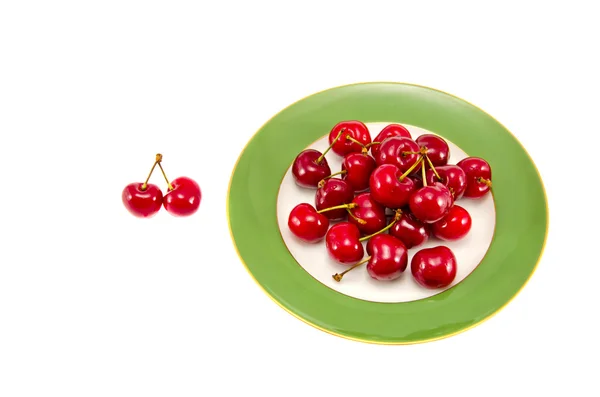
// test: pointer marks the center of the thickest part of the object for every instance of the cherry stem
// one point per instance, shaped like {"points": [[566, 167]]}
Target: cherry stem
{"points": [[156, 161], [368, 145], [349, 138], [486, 181], [411, 169], [433, 168], [338, 276], [322, 181], [422, 151], [423, 174], [357, 219], [165, 175], [396, 218], [321, 157], [339, 207]]}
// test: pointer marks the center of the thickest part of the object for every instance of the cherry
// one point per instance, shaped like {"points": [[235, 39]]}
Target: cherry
{"points": [[452, 176], [357, 168], [387, 132], [454, 226], [389, 257], [401, 151], [430, 203], [307, 224], [434, 267], [354, 137], [143, 200], [368, 215], [333, 192], [479, 176], [310, 167], [343, 243], [390, 187], [438, 151], [410, 230], [183, 197]]}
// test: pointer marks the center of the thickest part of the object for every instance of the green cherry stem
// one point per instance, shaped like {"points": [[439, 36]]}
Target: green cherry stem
{"points": [[321, 157], [338, 276], [338, 207], [349, 138], [357, 219], [411, 169], [322, 181], [164, 175], [423, 174], [396, 218], [486, 181], [368, 145], [433, 168], [156, 161]]}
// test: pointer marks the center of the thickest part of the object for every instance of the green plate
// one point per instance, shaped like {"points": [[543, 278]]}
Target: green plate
{"points": [[519, 199]]}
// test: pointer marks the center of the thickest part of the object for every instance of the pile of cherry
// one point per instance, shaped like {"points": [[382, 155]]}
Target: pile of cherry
{"points": [[393, 172]]}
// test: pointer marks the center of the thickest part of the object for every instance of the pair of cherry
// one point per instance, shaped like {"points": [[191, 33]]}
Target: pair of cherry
{"points": [[144, 200]]}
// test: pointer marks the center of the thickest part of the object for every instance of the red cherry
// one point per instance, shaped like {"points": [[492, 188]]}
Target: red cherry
{"points": [[183, 197], [309, 168], [142, 201], [437, 149], [410, 230], [454, 226], [343, 243], [434, 267], [479, 176], [368, 215], [387, 132], [352, 136], [307, 224], [431, 203], [401, 151], [389, 187], [452, 176], [389, 257], [358, 168], [333, 192]]}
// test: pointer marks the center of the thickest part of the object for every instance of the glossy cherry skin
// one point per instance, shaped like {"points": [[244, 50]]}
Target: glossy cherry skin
{"points": [[431, 203], [307, 224], [454, 226], [452, 176], [142, 203], [437, 149], [479, 176], [306, 171], [410, 230], [395, 150], [331, 193], [184, 199], [434, 267], [343, 243], [358, 167], [369, 211], [388, 132], [389, 257], [353, 128], [387, 189]]}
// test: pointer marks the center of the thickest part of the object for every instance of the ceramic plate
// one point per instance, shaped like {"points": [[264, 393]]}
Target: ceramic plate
{"points": [[495, 260]]}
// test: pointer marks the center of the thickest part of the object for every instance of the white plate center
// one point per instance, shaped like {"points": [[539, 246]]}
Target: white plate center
{"points": [[314, 258]]}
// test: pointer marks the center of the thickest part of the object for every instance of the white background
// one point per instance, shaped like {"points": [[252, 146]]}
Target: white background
{"points": [[94, 302]]}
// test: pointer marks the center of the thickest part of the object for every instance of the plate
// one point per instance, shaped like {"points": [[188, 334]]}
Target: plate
{"points": [[495, 260]]}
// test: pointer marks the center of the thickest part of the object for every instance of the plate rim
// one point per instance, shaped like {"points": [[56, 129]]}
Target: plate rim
{"points": [[383, 342]]}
